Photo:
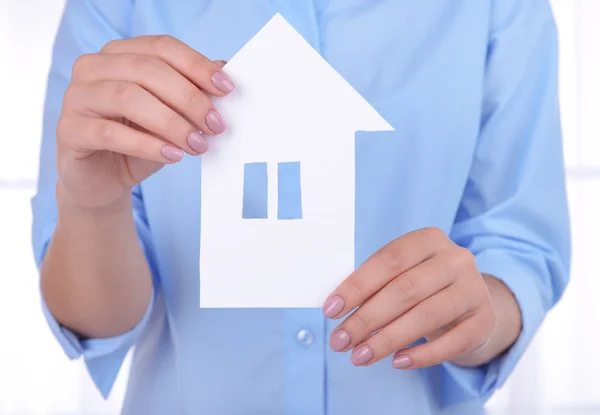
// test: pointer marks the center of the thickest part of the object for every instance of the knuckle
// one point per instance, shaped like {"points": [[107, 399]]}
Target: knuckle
{"points": [[143, 63], [138, 142], [198, 63], [173, 122], [466, 256], [69, 96], [357, 289], [124, 92], [433, 234], [407, 289], [105, 130], [390, 258], [63, 128], [82, 64], [111, 46], [195, 97], [162, 43], [387, 341], [363, 321], [461, 258]]}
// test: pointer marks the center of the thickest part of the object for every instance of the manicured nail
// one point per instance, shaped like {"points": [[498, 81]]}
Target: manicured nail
{"points": [[172, 153], [215, 122], [223, 82], [333, 306], [401, 361], [339, 340], [361, 355], [197, 142]]}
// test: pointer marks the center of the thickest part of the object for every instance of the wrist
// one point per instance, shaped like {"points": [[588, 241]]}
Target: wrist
{"points": [[508, 325], [507, 309], [70, 211]]}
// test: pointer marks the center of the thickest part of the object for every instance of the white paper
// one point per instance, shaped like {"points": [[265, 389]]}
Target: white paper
{"points": [[289, 105]]}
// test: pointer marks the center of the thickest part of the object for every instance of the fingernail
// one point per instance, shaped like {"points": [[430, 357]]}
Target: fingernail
{"points": [[333, 306], [339, 340], [361, 355], [223, 82], [197, 142], [215, 123], [172, 153], [401, 361]]}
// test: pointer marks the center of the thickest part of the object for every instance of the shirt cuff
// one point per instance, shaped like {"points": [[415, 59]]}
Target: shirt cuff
{"points": [[522, 274], [103, 356]]}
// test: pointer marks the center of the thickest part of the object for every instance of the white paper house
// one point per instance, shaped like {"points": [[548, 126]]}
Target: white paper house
{"points": [[289, 106]]}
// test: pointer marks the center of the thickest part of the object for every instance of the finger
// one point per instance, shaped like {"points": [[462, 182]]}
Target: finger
{"points": [[203, 72], [471, 334], [390, 261], [94, 134], [159, 78], [437, 311], [220, 64], [395, 299], [116, 99]]}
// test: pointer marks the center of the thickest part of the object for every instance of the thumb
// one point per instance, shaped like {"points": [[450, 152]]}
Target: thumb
{"points": [[220, 64]]}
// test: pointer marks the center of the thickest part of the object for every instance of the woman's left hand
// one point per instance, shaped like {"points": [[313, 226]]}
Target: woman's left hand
{"points": [[419, 285]]}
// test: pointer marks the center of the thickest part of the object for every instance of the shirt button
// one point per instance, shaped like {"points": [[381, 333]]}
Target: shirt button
{"points": [[305, 337]]}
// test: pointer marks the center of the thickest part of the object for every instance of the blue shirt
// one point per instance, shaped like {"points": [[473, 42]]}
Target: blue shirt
{"points": [[471, 89]]}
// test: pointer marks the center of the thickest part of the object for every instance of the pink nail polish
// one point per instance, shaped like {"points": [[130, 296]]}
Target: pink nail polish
{"points": [[215, 122], [222, 82], [361, 355], [339, 340], [172, 153], [333, 306], [401, 361], [197, 142]]}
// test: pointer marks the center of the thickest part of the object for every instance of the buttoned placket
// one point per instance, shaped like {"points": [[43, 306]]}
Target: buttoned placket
{"points": [[304, 329]]}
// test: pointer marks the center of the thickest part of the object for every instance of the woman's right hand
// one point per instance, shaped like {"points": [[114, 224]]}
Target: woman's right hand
{"points": [[135, 106]]}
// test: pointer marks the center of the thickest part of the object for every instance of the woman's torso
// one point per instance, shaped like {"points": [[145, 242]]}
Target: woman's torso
{"points": [[421, 66]]}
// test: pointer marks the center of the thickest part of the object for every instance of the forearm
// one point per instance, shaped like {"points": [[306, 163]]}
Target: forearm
{"points": [[508, 327], [95, 278]]}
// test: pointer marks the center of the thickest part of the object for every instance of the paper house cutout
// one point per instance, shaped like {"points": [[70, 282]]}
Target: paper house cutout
{"points": [[292, 121]]}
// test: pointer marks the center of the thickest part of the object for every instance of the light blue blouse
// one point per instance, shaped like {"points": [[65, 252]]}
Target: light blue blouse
{"points": [[471, 88]]}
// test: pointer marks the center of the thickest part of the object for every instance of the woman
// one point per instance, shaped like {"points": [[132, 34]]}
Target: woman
{"points": [[462, 236]]}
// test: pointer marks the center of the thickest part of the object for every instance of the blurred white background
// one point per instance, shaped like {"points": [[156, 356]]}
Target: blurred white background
{"points": [[560, 373]]}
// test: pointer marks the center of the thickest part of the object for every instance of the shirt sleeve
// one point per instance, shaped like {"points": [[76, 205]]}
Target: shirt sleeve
{"points": [[514, 215], [86, 25]]}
